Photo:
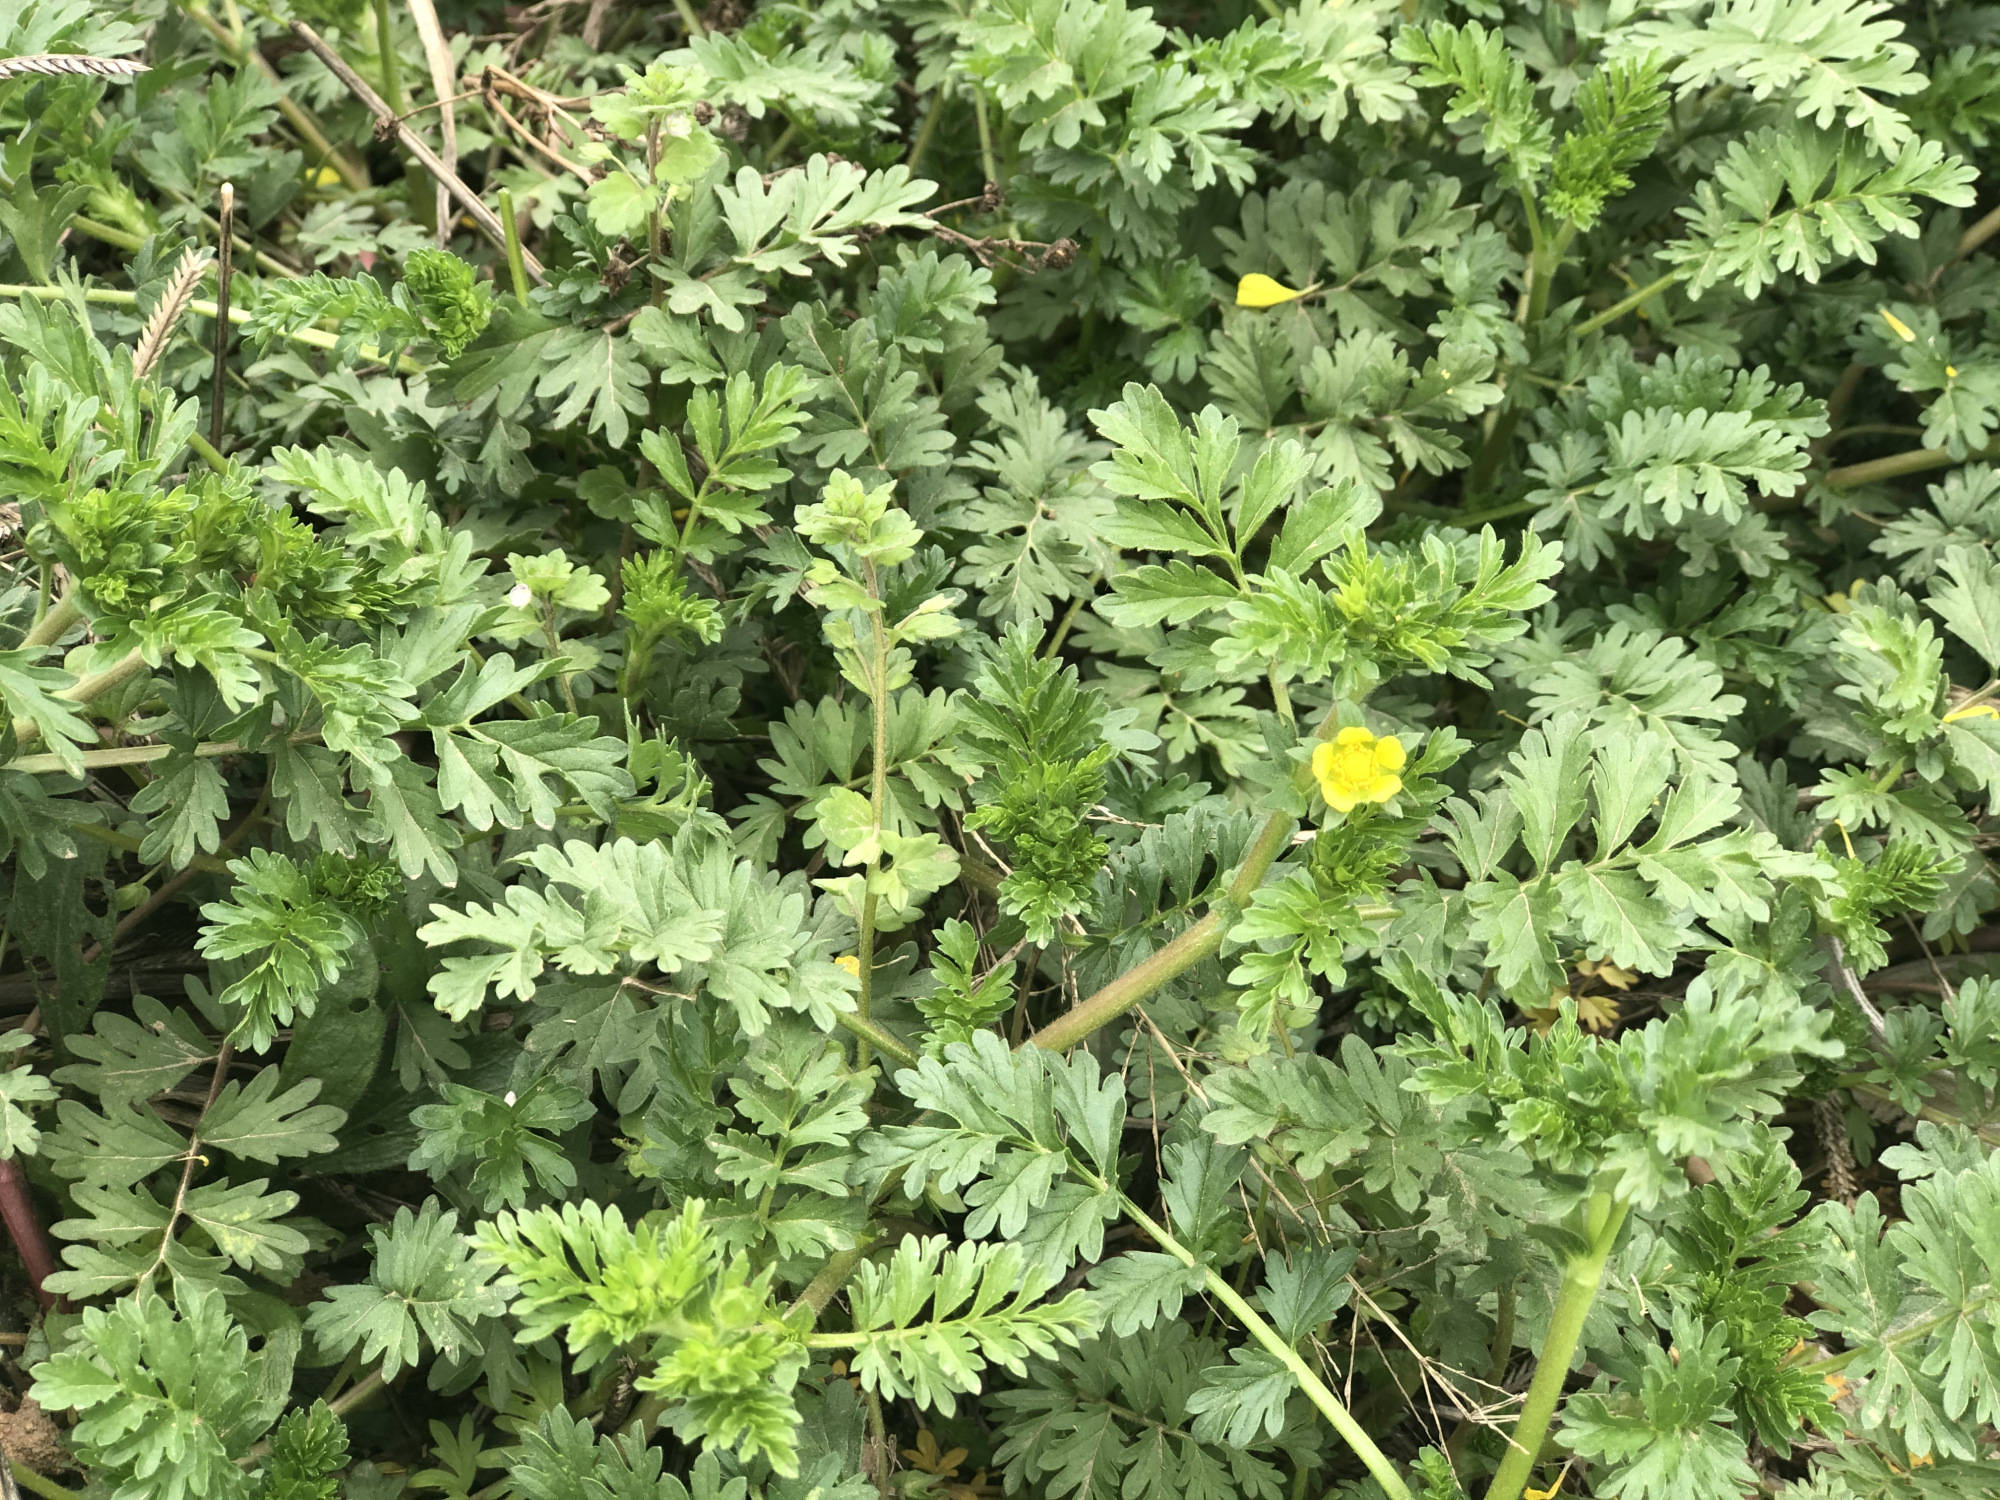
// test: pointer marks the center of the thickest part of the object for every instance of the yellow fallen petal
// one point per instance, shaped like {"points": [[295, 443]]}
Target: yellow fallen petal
{"points": [[1898, 327], [1972, 711], [323, 177], [1259, 290], [1951, 372]]}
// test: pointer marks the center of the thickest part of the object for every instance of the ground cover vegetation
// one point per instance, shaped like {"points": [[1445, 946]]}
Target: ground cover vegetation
{"points": [[951, 748]]}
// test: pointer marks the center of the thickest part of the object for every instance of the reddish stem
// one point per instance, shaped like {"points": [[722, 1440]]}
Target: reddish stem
{"points": [[25, 1229]]}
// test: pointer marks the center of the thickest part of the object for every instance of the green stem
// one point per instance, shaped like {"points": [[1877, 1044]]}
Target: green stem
{"points": [[84, 690], [1202, 940], [925, 131], [1356, 1436], [38, 1484], [517, 269], [988, 162], [1280, 698], [119, 755], [831, 1278], [1581, 1278], [392, 67], [107, 296], [49, 629], [205, 451], [123, 239], [685, 10], [1624, 305], [208, 864], [1896, 465], [864, 955], [874, 1034], [1977, 235]]}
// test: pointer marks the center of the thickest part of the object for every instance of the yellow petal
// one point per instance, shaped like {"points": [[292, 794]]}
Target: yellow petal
{"points": [[1353, 734], [1898, 327], [849, 962], [1389, 754], [1951, 372], [1341, 800], [1972, 711], [1383, 787], [1259, 290]]}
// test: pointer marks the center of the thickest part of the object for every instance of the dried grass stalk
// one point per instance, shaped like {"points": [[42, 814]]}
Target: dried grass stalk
{"points": [[193, 265], [60, 64]]}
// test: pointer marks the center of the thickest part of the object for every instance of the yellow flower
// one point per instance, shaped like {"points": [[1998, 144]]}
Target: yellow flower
{"points": [[1607, 973], [1259, 290], [1357, 767], [850, 963]]}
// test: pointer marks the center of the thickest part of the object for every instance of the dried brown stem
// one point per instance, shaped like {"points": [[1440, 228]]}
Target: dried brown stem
{"points": [[386, 122], [225, 236], [24, 1227]]}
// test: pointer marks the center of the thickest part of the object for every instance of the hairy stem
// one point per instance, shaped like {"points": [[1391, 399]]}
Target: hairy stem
{"points": [[1581, 1279], [385, 47], [83, 690], [874, 1034], [1896, 465], [1202, 940], [50, 627], [39, 1484], [1317, 1391], [925, 131], [517, 272], [1624, 305]]}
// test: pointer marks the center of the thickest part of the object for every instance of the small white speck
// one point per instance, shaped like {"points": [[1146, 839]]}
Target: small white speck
{"points": [[510, 1098], [680, 127], [520, 596]]}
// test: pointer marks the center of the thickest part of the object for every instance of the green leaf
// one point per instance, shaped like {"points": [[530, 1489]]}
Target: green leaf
{"points": [[425, 1289]]}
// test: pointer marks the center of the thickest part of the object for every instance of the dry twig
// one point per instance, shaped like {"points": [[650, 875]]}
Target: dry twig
{"points": [[387, 123]]}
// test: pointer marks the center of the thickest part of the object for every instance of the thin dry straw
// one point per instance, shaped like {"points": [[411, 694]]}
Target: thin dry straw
{"points": [[167, 312], [224, 253], [58, 64]]}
